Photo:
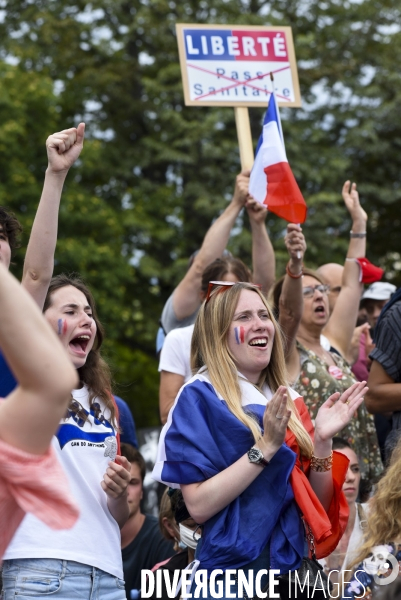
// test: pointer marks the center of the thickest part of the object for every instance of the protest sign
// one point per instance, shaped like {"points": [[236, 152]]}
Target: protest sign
{"points": [[227, 65], [239, 66]]}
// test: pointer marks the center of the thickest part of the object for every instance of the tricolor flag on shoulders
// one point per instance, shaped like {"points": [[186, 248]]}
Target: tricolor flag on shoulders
{"points": [[272, 182]]}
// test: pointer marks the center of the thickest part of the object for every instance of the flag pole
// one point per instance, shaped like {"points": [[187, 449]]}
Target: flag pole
{"points": [[244, 137], [272, 80]]}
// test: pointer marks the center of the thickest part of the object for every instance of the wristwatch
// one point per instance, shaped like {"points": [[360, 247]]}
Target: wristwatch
{"points": [[256, 456]]}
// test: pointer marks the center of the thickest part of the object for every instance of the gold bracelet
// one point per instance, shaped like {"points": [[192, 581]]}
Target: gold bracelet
{"points": [[321, 465]]}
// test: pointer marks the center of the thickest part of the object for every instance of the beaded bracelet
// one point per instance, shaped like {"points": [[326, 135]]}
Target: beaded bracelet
{"points": [[287, 270], [321, 464]]}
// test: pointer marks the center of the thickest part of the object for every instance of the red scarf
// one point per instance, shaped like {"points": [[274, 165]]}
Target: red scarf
{"points": [[327, 528]]}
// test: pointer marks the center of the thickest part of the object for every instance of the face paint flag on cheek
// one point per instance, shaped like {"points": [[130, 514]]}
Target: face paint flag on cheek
{"points": [[61, 326], [239, 334]]}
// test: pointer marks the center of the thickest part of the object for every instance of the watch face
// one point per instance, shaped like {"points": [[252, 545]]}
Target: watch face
{"points": [[255, 455]]}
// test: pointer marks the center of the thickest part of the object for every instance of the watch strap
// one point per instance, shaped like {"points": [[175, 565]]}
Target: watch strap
{"points": [[255, 456]]}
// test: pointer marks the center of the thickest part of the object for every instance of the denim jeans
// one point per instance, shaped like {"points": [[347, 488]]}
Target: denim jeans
{"points": [[61, 579]]}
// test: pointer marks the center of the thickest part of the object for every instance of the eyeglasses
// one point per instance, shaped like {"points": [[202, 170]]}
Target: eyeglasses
{"points": [[224, 285], [309, 290]]}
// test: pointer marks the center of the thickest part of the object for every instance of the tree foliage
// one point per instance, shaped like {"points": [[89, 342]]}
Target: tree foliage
{"points": [[154, 173]]}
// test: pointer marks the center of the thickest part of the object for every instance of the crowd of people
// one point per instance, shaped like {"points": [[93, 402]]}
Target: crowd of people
{"points": [[279, 398]]}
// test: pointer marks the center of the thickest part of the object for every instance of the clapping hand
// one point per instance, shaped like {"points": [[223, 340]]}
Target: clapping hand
{"points": [[275, 420], [338, 411]]}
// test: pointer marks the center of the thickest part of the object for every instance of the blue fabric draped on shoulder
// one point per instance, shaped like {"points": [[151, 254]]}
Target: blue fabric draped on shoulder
{"points": [[202, 438]]}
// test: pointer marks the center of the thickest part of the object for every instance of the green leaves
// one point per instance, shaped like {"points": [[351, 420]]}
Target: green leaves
{"points": [[154, 174]]}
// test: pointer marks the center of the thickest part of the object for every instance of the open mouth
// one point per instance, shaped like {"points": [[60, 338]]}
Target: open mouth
{"points": [[259, 342], [319, 309], [79, 344]]}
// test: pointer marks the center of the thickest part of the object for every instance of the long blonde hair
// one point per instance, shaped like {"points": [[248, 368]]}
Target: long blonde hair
{"points": [[209, 348], [384, 518]]}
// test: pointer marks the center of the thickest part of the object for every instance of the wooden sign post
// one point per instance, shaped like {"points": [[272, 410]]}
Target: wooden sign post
{"points": [[244, 137], [230, 65]]}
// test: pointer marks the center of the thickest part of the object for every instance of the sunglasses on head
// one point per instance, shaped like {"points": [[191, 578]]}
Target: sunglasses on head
{"points": [[224, 285]]}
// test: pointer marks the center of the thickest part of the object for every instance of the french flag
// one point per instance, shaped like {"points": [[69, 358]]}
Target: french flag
{"points": [[272, 182]]}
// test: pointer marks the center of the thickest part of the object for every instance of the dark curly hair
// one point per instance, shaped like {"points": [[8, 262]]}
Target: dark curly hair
{"points": [[11, 227]]}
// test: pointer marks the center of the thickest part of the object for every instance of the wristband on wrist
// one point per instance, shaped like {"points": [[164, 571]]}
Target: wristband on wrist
{"points": [[287, 270], [357, 235], [321, 465]]}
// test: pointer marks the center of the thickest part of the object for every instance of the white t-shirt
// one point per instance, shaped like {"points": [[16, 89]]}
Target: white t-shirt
{"points": [[175, 356], [84, 450], [169, 320]]}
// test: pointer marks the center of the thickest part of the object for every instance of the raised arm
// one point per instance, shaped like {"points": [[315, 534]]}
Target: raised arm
{"points": [[341, 324], [63, 149], [31, 414], [263, 257], [291, 298], [186, 297]]}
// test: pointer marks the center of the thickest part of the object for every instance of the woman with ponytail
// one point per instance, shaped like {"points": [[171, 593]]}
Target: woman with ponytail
{"points": [[240, 444]]}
